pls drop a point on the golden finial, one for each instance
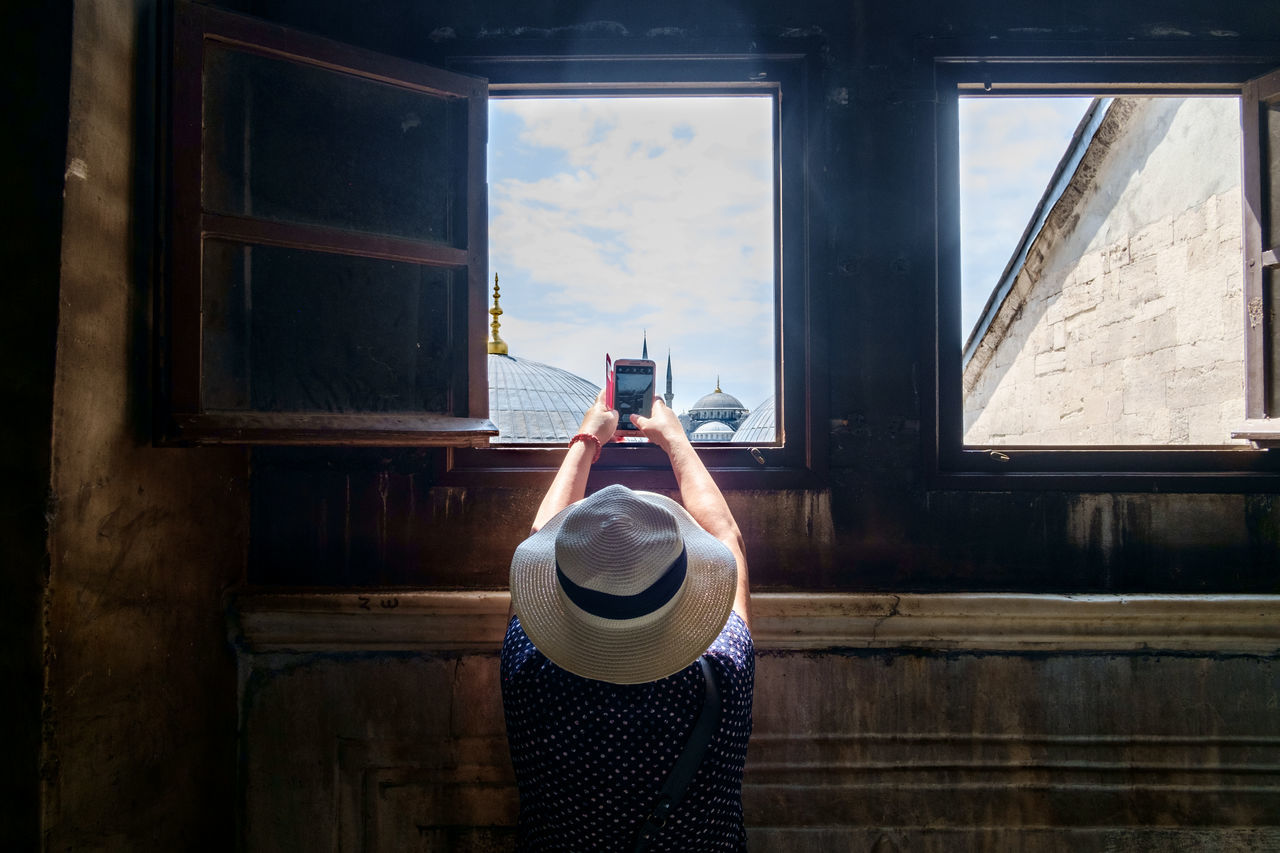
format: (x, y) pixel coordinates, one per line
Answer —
(718, 391)
(497, 346)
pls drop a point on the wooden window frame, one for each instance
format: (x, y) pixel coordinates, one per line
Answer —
(183, 415)
(798, 459)
(1262, 346)
(1131, 69)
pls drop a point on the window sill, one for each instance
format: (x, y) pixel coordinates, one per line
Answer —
(1221, 468)
(1263, 432)
(302, 428)
(639, 466)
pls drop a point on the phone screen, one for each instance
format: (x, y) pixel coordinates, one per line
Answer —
(633, 392)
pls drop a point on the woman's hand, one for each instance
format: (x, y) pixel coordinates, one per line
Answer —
(662, 427)
(600, 420)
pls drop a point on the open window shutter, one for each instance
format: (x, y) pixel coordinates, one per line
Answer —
(327, 243)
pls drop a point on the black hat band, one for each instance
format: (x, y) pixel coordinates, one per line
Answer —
(609, 606)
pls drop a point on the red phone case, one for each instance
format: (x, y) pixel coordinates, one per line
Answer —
(608, 381)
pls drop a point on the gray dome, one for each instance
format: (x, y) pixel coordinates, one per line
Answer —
(531, 402)
(712, 431)
(759, 427)
(718, 401)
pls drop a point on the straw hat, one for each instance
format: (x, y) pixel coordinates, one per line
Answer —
(623, 586)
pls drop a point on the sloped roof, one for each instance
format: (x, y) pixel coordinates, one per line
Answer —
(760, 426)
(1069, 182)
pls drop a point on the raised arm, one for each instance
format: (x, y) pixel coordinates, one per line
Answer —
(570, 483)
(699, 493)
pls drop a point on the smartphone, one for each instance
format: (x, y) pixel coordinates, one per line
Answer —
(632, 389)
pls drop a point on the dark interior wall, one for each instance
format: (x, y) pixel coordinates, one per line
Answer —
(36, 59)
(140, 713)
(140, 720)
(879, 523)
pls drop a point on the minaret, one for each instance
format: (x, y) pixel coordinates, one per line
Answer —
(497, 346)
(645, 352)
(669, 396)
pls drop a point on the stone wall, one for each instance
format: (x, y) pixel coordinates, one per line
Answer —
(1126, 323)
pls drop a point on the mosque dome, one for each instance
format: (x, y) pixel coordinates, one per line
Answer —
(759, 427)
(712, 431)
(718, 406)
(718, 400)
(534, 402)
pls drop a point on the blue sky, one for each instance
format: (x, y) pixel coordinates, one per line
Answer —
(612, 216)
(1009, 148)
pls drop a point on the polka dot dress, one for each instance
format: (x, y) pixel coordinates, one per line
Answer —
(590, 756)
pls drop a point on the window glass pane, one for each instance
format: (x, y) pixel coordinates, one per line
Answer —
(293, 142)
(287, 330)
(620, 221)
(1114, 317)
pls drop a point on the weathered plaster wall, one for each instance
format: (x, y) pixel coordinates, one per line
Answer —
(139, 727)
(1125, 324)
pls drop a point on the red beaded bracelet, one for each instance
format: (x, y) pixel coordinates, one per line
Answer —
(585, 435)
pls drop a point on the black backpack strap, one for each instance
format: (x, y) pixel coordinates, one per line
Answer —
(687, 764)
